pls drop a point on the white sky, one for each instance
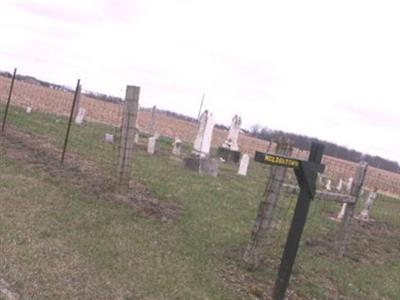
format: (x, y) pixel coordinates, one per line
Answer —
(329, 69)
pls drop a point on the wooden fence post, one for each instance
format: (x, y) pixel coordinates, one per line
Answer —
(128, 131)
(260, 235)
(345, 230)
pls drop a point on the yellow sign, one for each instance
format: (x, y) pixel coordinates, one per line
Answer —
(282, 161)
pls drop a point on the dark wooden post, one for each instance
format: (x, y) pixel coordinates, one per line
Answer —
(306, 177)
(71, 115)
(129, 118)
(345, 230)
(3, 126)
(260, 235)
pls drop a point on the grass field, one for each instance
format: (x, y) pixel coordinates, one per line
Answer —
(60, 242)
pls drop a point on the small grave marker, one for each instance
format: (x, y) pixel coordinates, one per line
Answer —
(80, 116)
(244, 164)
(109, 138)
(151, 146)
(176, 150)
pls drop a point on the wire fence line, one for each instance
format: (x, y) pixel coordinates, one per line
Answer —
(355, 213)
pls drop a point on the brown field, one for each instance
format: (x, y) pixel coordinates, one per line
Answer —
(58, 102)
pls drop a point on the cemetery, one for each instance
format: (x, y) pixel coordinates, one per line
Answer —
(97, 210)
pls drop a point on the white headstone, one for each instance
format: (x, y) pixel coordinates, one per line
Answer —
(320, 179)
(80, 116)
(364, 215)
(202, 143)
(28, 110)
(350, 184)
(342, 211)
(244, 164)
(151, 146)
(152, 125)
(328, 185)
(340, 185)
(232, 141)
(176, 150)
(136, 140)
(109, 138)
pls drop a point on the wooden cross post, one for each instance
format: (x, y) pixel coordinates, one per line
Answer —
(306, 174)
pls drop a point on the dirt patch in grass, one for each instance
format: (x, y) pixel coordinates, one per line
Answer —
(39, 152)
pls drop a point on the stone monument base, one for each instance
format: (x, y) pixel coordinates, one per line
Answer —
(229, 155)
(208, 166)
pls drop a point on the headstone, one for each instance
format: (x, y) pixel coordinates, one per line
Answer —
(349, 184)
(320, 179)
(232, 141)
(176, 150)
(328, 185)
(152, 125)
(136, 138)
(151, 146)
(109, 138)
(340, 185)
(202, 142)
(364, 215)
(28, 110)
(342, 211)
(244, 164)
(80, 116)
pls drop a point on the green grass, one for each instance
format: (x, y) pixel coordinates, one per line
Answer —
(59, 243)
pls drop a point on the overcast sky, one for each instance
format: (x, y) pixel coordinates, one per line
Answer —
(329, 69)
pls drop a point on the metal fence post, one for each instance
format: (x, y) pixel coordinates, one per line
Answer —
(3, 126)
(71, 115)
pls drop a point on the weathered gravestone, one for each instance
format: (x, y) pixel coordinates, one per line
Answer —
(80, 116)
(109, 138)
(328, 185)
(244, 164)
(340, 185)
(151, 146)
(176, 150)
(230, 148)
(136, 138)
(364, 215)
(349, 184)
(152, 124)
(199, 160)
(202, 142)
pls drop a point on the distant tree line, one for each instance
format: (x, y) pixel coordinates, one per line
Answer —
(304, 142)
